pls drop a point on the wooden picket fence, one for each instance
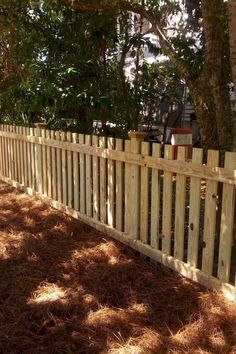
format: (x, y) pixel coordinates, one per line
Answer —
(180, 213)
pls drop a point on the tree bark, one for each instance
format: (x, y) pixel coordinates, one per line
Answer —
(209, 90)
(232, 45)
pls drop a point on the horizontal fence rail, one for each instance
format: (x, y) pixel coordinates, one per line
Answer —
(180, 212)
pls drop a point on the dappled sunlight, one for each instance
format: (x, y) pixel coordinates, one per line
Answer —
(67, 288)
(47, 293)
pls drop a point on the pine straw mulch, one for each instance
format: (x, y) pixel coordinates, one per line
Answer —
(66, 288)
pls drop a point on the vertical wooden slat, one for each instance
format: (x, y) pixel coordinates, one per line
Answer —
(103, 183)
(167, 204)
(14, 155)
(7, 152)
(76, 173)
(69, 173)
(95, 181)
(21, 157)
(110, 186)
(38, 163)
(49, 167)
(88, 171)
(127, 190)
(32, 153)
(29, 169)
(82, 176)
(16, 165)
(180, 208)
(194, 212)
(44, 164)
(25, 152)
(64, 171)
(119, 188)
(210, 216)
(10, 156)
(4, 153)
(227, 222)
(17, 155)
(144, 196)
(155, 200)
(59, 169)
(54, 167)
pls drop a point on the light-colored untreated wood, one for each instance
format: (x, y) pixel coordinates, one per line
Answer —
(82, 176)
(184, 168)
(155, 200)
(227, 223)
(44, 164)
(49, 166)
(180, 209)
(30, 162)
(95, 181)
(88, 170)
(103, 184)
(54, 168)
(167, 204)
(119, 221)
(25, 158)
(182, 268)
(110, 186)
(194, 212)
(76, 173)
(210, 217)
(69, 173)
(127, 191)
(144, 196)
(64, 171)
(39, 164)
(32, 159)
(59, 169)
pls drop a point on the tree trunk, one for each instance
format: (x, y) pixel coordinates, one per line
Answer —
(232, 45)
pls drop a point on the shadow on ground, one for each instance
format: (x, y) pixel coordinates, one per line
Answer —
(65, 288)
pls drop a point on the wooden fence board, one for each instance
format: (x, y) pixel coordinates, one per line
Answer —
(127, 190)
(180, 209)
(54, 167)
(210, 217)
(110, 186)
(194, 212)
(48, 171)
(59, 169)
(76, 173)
(167, 204)
(103, 184)
(39, 163)
(144, 196)
(82, 176)
(88, 171)
(95, 181)
(155, 200)
(119, 189)
(227, 223)
(64, 171)
(44, 163)
(33, 159)
(69, 173)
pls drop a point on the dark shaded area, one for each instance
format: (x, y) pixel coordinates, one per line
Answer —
(66, 288)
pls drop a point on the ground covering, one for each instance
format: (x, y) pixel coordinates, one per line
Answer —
(66, 288)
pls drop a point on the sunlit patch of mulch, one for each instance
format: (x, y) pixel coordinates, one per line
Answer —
(66, 288)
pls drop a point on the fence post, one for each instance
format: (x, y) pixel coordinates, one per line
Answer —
(38, 158)
(134, 202)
